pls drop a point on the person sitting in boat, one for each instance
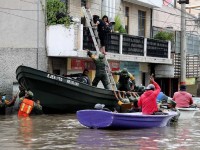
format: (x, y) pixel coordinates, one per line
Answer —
(147, 101)
(29, 106)
(182, 98)
(161, 97)
(125, 78)
(82, 77)
(101, 74)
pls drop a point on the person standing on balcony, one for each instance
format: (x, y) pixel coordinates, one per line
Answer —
(101, 74)
(183, 98)
(125, 78)
(103, 28)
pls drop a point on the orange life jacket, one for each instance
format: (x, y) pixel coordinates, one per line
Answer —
(25, 108)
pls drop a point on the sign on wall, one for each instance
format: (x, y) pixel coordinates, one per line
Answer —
(114, 65)
(164, 71)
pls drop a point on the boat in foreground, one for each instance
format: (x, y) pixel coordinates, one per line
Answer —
(58, 94)
(105, 119)
(187, 113)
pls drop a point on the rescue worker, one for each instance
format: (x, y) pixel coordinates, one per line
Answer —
(5, 103)
(100, 70)
(28, 106)
(124, 80)
(170, 105)
(82, 77)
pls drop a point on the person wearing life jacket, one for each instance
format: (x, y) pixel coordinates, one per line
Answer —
(28, 106)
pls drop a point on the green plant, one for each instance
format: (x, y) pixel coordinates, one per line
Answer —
(57, 13)
(118, 25)
(163, 35)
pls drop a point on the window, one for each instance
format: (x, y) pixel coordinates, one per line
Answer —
(126, 18)
(141, 22)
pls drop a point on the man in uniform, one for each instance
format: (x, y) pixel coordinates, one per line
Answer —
(126, 80)
(101, 74)
(29, 106)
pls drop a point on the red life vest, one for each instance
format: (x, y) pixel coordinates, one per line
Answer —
(25, 108)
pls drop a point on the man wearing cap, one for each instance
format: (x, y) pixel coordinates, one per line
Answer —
(100, 70)
(125, 78)
(147, 101)
(28, 106)
(182, 98)
(82, 77)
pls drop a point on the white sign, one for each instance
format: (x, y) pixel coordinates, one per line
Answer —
(164, 71)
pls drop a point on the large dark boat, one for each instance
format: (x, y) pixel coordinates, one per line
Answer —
(58, 94)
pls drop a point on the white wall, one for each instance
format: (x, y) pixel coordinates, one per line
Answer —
(60, 41)
(18, 24)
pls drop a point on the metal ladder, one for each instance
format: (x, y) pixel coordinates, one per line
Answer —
(95, 38)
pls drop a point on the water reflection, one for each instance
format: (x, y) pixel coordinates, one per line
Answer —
(65, 132)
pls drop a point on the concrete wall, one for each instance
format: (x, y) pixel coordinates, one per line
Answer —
(18, 39)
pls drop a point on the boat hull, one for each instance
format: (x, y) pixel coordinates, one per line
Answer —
(104, 119)
(58, 94)
(187, 113)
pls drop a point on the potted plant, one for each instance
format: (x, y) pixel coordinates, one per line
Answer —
(118, 25)
(57, 13)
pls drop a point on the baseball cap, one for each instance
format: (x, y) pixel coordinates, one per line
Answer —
(150, 87)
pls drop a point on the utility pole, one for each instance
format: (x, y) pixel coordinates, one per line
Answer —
(183, 45)
(38, 31)
(183, 41)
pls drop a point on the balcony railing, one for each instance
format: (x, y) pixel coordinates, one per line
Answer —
(63, 42)
(131, 45)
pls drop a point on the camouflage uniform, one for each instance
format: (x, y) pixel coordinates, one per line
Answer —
(37, 108)
(124, 80)
(101, 74)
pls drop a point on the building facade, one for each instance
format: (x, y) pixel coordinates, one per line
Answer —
(22, 39)
(27, 40)
(172, 23)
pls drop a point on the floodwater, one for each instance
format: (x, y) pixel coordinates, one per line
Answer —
(48, 132)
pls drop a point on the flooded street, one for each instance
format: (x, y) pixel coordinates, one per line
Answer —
(65, 132)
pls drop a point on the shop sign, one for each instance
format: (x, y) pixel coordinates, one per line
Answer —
(114, 65)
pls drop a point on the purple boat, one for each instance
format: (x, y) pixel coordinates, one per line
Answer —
(101, 119)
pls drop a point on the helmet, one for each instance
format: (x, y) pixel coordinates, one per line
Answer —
(124, 70)
(170, 101)
(101, 56)
(29, 93)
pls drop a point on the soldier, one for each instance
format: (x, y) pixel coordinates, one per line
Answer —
(100, 70)
(4, 103)
(29, 106)
(124, 80)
